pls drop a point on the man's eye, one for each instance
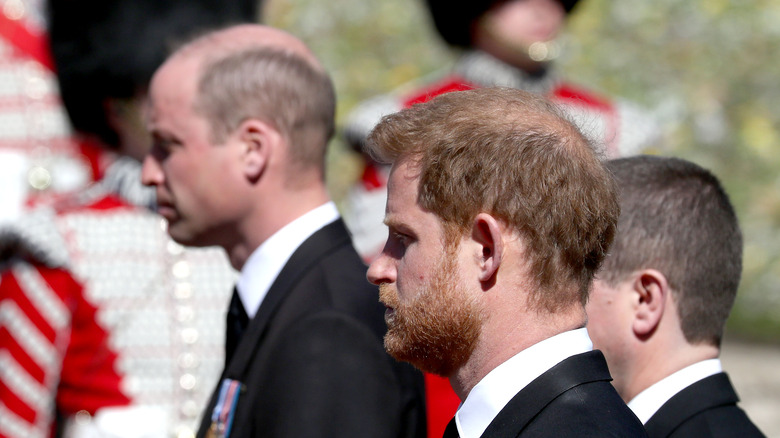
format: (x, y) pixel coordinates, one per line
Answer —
(162, 143)
(402, 239)
(161, 148)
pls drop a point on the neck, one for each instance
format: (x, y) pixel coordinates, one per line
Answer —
(506, 335)
(278, 209)
(658, 364)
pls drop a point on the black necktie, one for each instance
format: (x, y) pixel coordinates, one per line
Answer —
(452, 430)
(237, 321)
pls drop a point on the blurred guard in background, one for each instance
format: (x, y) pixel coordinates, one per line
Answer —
(503, 43)
(107, 327)
(39, 157)
(507, 43)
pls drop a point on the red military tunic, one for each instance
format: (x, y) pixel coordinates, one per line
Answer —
(106, 320)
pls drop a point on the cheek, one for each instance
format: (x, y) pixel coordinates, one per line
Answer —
(609, 325)
(600, 320)
(411, 280)
(411, 272)
(178, 168)
(210, 181)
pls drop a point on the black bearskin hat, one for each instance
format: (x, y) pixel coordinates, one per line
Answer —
(453, 19)
(106, 49)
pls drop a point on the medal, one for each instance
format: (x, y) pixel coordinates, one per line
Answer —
(224, 411)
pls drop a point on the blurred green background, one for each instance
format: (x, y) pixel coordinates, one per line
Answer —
(709, 70)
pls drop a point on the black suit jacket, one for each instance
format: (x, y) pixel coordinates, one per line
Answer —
(707, 408)
(572, 399)
(312, 359)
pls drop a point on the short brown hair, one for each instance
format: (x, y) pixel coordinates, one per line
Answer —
(515, 156)
(676, 218)
(277, 86)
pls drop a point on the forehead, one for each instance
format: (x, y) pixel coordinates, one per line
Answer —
(402, 206)
(175, 79)
(402, 187)
(173, 87)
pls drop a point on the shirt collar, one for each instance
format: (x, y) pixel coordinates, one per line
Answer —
(266, 262)
(649, 401)
(484, 70)
(501, 384)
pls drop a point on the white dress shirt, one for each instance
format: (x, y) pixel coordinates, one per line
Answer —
(501, 384)
(647, 402)
(266, 262)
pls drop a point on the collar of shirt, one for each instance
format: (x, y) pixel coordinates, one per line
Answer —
(501, 384)
(266, 262)
(485, 70)
(649, 401)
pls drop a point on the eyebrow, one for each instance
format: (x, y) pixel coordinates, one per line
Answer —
(390, 221)
(156, 131)
(397, 225)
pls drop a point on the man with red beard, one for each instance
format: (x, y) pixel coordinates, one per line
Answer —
(499, 212)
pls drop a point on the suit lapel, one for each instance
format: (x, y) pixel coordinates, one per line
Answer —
(710, 392)
(451, 431)
(574, 371)
(320, 244)
(326, 240)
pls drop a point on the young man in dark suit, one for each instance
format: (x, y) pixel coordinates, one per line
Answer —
(661, 301)
(240, 119)
(499, 213)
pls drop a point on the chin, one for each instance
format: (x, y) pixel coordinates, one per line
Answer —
(180, 235)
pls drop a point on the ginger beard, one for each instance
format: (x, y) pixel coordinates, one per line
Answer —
(436, 330)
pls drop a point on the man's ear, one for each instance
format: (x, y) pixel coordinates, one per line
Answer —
(488, 234)
(652, 292)
(259, 140)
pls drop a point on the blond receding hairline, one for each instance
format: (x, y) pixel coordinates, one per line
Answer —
(225, 42)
